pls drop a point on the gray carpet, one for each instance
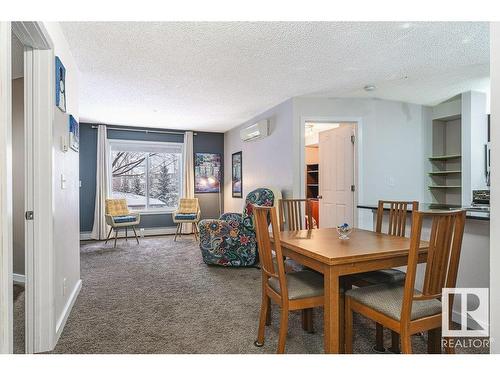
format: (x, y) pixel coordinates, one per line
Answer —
(160, 297)
(18, 292)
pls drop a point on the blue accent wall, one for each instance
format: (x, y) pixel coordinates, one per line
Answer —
(203, 142)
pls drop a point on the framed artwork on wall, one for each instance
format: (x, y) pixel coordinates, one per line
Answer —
(237, 177)
(207, 172)
(60, 85)
(74, 134)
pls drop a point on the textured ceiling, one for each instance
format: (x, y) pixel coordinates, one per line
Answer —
(214, 76)
(17, 57)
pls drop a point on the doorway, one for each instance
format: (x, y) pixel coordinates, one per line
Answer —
(26, 141)
(331, 171)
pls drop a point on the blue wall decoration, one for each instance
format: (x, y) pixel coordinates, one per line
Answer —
(60, 85)
(74, 134)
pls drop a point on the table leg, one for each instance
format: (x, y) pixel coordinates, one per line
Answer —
(333, 327)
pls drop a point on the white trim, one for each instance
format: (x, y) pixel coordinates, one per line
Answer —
(358, 153)
(61, 322)
(39, 263)
(18, 279)
(6, 299)
(31, 34)
(160, 231)
(115, 143)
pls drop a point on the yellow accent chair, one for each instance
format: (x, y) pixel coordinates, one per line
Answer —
(188, 213)
(118, 217)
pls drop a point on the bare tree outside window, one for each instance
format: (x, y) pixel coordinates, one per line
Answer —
(147, 180)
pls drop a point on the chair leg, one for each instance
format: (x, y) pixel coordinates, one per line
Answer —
(449, 349)
(195, 230)
(307, 320)
(283, 330)
(177, 231)
(348, 326)
(116, 235)
(126, 234)
(269, 312)
(434, 341)
(405, 343)
(135, 234)
(379, 338)
(109, 234)
(264, 308)
(394, 343)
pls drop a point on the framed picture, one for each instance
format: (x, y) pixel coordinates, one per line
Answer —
(207, 172)
(60, 85)
(237, 178)
(74, 134)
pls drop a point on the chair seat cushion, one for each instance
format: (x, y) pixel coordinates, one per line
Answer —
(388, 300)
(301, 284)
(381, 276)
(186, 216)
(124, 219)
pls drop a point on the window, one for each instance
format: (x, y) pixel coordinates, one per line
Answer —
(147, 174)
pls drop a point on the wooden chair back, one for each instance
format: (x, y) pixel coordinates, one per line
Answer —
(268, 263)
(291, 214)
(443, 256)
(397, 216)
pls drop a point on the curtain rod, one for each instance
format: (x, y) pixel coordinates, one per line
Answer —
(142, 130)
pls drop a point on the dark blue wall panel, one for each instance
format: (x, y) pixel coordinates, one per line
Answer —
(203, 142)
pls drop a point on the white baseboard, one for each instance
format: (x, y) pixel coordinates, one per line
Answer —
(160, 231)
(61, 322)
(19, 279)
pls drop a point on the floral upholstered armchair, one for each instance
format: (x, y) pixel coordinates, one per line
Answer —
(230, 240)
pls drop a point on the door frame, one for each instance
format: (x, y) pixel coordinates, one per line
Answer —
(6, 297)
(358, 160)
(39, 257)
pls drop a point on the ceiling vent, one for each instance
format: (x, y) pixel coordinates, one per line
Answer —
(255, 131)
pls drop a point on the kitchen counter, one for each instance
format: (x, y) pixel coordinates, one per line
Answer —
(472, 212)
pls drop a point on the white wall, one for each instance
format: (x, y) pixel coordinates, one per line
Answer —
(18, 174)
(390, 140)
(392, 148)
(266, 162)
(65, 201)
(495, 188)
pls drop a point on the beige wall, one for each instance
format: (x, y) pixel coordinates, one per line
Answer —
(18, 174)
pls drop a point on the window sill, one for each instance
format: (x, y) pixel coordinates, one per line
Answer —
(162, 212)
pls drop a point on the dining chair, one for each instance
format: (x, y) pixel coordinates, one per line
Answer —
(402, 308)
(291, 218)
(290, 291)
(398, 211)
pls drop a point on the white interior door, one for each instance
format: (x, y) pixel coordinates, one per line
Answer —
(336, 176)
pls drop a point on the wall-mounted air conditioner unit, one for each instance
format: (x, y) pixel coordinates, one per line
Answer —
(255, 131)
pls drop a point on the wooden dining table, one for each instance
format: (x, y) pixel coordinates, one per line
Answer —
(323, 251)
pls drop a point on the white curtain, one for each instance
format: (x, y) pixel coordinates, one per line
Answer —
(99, 231)
(188, 173)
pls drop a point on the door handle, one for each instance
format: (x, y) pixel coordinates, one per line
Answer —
(319, 197)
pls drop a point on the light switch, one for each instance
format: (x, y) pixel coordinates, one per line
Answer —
(63, 181)
(64, 143)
